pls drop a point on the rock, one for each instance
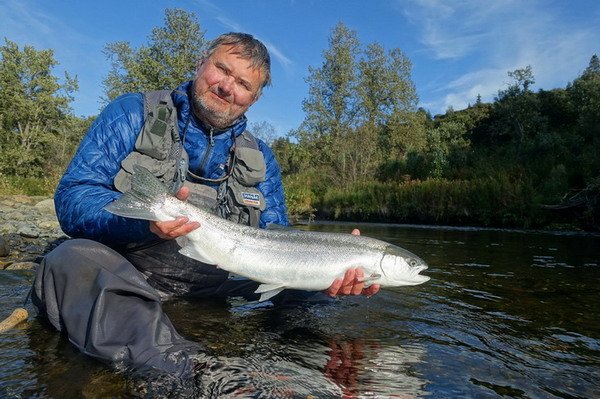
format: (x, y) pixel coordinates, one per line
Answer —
(29, 228)
(4, 247)
(28, 231)
(7, 228)
(34, 249)
(22, 266)
(18, 216)
(46, 206)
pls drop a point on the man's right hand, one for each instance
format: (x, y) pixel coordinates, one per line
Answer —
(175, 228)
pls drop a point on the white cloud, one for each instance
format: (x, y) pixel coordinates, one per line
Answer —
(483, 40)
(234, 26)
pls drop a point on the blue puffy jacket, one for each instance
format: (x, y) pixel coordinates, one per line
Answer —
(87, 185)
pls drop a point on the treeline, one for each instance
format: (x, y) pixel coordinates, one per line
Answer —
(39, 132)
(364, 151)
(37, 128)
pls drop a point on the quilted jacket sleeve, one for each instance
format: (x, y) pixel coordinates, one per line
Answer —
(272, 189)
(87, 185)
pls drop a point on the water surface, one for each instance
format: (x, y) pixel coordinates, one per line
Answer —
(506, 314)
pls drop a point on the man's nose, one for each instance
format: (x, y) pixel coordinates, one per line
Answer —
(226, 85)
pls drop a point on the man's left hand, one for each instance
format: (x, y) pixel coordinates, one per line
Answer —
(352, 283)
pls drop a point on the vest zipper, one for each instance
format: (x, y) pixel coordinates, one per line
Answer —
(211, 142)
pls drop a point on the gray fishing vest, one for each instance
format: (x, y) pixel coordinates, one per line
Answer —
(158, 148)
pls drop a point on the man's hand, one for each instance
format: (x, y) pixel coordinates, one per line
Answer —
(175, 228)
(352, 284)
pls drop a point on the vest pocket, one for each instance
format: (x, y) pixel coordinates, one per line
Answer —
(164, 170)
(250, 167)
(245, 203)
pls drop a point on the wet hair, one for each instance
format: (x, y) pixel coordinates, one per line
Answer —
(247, 47)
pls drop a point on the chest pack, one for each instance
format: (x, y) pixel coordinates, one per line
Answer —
(159, 148)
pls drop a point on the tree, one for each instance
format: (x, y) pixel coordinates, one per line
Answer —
(34, 109)
(593, 67)
(523, 78)
(518, 109)
(360, 104)
(167, 61)
(264, 131)
(331, 107)
(585, 93)
(388, 99)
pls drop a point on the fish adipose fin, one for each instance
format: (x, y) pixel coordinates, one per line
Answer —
(146, 190)
(190, 250)
(268, 291)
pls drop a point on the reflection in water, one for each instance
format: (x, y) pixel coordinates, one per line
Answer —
(506, 314)
(358, 367)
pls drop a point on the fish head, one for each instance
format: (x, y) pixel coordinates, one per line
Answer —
(401, 267)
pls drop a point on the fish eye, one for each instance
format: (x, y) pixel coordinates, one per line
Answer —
(412, 263)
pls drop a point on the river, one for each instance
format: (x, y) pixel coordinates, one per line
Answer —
(505, 314)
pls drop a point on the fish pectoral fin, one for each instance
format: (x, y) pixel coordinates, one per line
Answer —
(268, 291)
(194, 252)
(369, 279)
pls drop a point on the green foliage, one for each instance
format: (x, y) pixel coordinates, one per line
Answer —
(36, 123)
(517, 109)
(498, 201)
(497, 164)
(359, 110)
(585, 94)
(300, 198)
(167, 61)
(32, 186)
(363, 152)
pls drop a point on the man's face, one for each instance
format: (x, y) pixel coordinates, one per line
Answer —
(225, 87)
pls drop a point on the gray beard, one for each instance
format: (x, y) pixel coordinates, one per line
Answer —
(205, 113)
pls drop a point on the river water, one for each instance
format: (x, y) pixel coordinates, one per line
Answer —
(505, 314)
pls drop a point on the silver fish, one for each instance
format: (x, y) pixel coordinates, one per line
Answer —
(277, 258)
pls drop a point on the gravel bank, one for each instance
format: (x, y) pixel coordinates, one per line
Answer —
(28, 230)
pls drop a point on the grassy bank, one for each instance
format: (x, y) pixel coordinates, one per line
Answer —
(487, 202)
(15, 185)
(482, 202)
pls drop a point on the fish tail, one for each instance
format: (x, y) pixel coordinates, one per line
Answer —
(146, 191)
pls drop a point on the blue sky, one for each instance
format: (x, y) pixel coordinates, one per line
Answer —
(458, 48)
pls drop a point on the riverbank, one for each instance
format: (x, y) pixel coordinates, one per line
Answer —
(28, 230)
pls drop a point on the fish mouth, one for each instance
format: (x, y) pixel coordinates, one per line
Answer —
(419, 269)
(417, 278)
(420, 279)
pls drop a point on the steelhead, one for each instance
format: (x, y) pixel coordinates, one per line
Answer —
(278, 258)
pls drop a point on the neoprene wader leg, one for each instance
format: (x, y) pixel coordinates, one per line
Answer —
(107, 309)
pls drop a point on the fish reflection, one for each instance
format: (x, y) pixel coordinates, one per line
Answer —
(362, 366)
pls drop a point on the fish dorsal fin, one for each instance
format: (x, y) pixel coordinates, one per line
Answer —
(194, 251)
(268, 291)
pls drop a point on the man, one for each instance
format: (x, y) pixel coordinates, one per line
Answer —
(104, 290)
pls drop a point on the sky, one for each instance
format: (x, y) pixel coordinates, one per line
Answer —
(459, 49)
